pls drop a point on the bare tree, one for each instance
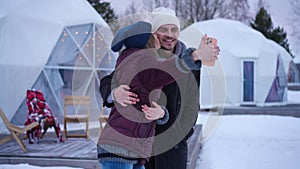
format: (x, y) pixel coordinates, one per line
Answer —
(190, 10)
(211, 8)
(261, 4)
(198, 10)
(295, 7)
(133, 13)
(164, 3)
(149, 5)
(295, 11)
(223, 10)
(176, 4)
(239, 10)
(295, 4)
(131, 9)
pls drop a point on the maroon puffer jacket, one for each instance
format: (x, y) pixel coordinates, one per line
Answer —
(127, 126)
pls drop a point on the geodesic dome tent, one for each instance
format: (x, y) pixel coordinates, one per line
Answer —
(59, 47)
(297, 64)
(254, 68)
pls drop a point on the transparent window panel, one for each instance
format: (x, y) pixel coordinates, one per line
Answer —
(78, 61)
(81, 33)
(73, 82)
(81, 61)
(61, 80)
(81, 80)
(104, 58)
(88, 50)
(106, 62)
(68, 49)
(65, 51)
(42, 84)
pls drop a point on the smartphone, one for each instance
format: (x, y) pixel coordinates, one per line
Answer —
(211, 40)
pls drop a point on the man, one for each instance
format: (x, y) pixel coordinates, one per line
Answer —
(180, 98)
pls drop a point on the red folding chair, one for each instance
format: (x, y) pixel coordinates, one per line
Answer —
(39, 111)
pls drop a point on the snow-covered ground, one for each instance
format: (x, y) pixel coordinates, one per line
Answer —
(293, 97)
(249, 141)
(243, 142)
(27, 166)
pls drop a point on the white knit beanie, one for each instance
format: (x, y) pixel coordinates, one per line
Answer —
(162, 16)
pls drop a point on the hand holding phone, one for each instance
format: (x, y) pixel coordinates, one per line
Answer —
(213, 41)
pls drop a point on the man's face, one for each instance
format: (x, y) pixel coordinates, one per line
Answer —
(168, 35)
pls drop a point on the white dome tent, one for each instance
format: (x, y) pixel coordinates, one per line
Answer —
(255, 68)
(43, 44)
(296, 66)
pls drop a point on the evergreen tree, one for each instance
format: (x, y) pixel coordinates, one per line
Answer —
(104, 9)
(264, 24)
(279, 35)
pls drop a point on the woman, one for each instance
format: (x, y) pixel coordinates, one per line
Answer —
(126, 141)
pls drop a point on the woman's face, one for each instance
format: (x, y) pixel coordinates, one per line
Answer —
(156, 41)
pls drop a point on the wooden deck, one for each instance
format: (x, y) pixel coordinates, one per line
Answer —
(74, 152)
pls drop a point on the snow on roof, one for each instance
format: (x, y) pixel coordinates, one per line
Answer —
(238, 38)
(29, 30)
(238, 43)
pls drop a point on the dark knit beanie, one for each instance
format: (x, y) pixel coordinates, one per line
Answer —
(132, 36)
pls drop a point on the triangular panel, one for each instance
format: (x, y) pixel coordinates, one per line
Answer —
(43, 85)
(66, 53)
(81, 33)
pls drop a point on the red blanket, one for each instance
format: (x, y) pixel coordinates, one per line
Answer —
(38, 110)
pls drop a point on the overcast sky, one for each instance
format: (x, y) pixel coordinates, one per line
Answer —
(278, 9)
